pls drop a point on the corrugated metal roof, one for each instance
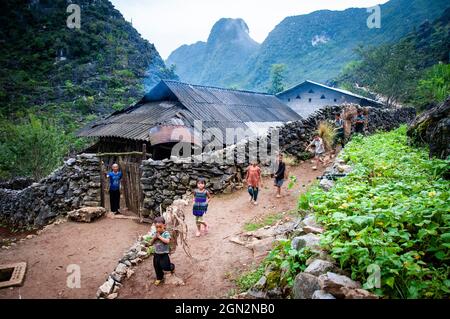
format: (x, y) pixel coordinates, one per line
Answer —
(212, 103)
(170, 102)
(330, 88)
(136, 121)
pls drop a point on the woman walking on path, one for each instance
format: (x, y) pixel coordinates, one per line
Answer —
(280, 175)
(114, 188)
(253, 179)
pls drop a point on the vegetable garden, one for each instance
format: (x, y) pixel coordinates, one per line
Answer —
(389, 218)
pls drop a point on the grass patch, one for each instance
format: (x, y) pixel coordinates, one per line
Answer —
(268, 220)
(248, 279)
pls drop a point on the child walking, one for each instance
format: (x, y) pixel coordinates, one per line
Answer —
(280, 175)
(201, 199)
(253, 179)
(161, 259)
(319, 150)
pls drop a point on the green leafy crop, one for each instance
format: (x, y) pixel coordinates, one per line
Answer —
(392, 211)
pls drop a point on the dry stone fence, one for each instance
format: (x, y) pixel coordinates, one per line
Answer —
(78, 183)
(167, 180)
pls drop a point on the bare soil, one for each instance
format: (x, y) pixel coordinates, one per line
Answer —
(217, 261)
(98, 246)
(95, 247)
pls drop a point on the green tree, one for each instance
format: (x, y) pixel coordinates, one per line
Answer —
(32, 148)
(434, 85)
(388, 70)
(277, 78)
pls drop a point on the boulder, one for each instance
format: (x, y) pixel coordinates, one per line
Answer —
(320, 294)
(255, 294)
(357, 294)
(106, 289)
(308, 240)
(310, 220)
(261, 247)
(305, 285)
(121, 268)
(319, 267)
(275, 293)
(313, 230)
(326, 184)
(332, 283)
(86, 214)
(433, 128)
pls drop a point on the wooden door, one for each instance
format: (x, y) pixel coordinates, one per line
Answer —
(131, 175)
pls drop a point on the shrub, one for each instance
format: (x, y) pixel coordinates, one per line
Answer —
(326, 132)
(393, 212)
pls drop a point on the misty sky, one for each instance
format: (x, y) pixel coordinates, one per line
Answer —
(171, 23)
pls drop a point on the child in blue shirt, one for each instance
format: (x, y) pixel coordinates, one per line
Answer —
(114, 188)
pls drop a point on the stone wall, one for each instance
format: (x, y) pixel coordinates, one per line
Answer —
(432, 128)
(295, 136)
(77, 183)
(167, 180)
(74, 185)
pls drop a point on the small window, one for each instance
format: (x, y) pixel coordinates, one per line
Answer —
(289, 100)
(310, 100)
(298, 97)
(335, 100)
(311, 91)
(322, 97)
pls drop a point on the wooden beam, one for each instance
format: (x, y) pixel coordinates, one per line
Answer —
(122, 154)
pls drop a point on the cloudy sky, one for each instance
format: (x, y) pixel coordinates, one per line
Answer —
(171, 23)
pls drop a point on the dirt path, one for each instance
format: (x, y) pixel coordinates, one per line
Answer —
(95, 247)
(217, 260)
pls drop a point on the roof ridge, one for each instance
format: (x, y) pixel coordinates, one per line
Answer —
(330, 88)
(219, 88)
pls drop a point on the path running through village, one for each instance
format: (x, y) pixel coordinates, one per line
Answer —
(97, 247)
(217, 261)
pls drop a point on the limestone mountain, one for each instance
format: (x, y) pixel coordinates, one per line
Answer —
(67, 73)
(316, 46)
(313, 46)
(219, 60)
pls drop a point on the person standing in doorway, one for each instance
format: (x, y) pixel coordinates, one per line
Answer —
(114, 188)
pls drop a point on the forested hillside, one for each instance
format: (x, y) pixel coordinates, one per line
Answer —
(313, 46)
(414, 70)
(54, 78)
